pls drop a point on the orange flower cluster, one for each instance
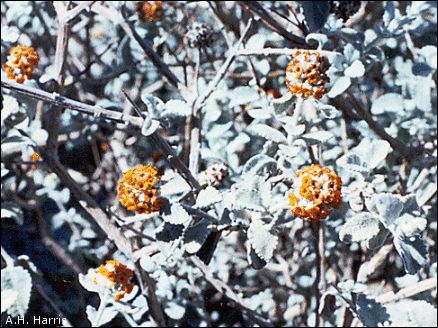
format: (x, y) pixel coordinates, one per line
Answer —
(315, 191)
(137, 192)
(22, 60)
(150, 11)
(306, 74)
(35, 157)
(119, 276)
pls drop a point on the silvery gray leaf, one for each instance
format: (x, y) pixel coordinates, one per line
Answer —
(341, 84)
(413, 252)
(207, 197)
(360, 227)
(268, 133)
(196, 235)
(149, 126)
(371, 313)
(262, 240)
(169, 232)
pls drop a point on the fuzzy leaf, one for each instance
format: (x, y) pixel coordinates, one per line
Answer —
(371, 312)
(243, 95)
(196, 235)
(356, 69)
(257, 163)
(208, 197)
(175, 108)
(389, 102)
(317, 137)
(262, 240)
(176, 185)
(11, 211)
(248, 199)
(175, 311)
(178, 215)
(149, 126)
(341, 84)
(254, 260)
(315, 13)
(409, 226)
(169, 232)
(16, 286)
(411, 313)
(413, 252)
(389, 207)
(353, 162)
(361, 227)
(269, 133)
(109, 313)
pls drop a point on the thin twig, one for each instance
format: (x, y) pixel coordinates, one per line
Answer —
(223, 288)
(397, 145)
(273, 24)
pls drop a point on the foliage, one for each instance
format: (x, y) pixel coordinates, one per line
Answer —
(221, 104)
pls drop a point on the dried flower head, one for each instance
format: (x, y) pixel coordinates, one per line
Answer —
(315, 191)
(115, 276)
(199, 35)
(21, 62)
(35, 157)
(345, 9)
(137, 189)
(149, 11)
(214, 175)
(306, 74)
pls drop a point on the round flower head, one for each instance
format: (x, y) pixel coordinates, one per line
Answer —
(306, 74)
(149, 11)
(21, 62)
(315, 191)
(214, 175)
(115, 276)
(200, 35)
(137, 192)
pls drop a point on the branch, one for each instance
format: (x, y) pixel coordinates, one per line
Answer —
(226, 290)
(97, 111)
(118, 18)
(89, 205)
(400, 147)
(410, 291)
(281, 51)
(273, 24)
(223, 70)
